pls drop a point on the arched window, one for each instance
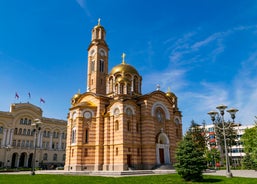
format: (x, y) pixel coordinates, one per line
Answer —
(45, 156)
(63, 157)
(86, 136)
(20, 131)
(25, 121)
(21, 121)
(55, 157)
(29, 122)
(28, 132)
(101, 65)
(159, 115)
(128, 126)
(73, 135)
(116, 125)
(92, 66)
(24, 131)
(15, 131)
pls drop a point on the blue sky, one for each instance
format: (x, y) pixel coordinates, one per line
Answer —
(205, 51)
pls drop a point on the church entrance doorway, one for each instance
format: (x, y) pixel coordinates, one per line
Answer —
(161, 153)
(162, 149)
(129, 160)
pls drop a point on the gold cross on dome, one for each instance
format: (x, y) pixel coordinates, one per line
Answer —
(99, 20)
(123, 57)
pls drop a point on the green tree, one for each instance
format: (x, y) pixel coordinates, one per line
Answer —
(249, 140)
(230, 132)
(212, 156)
(190, 159)
(198, 135)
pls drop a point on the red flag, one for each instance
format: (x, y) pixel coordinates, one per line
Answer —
(17, 96)
(29, 95)
(42, 100)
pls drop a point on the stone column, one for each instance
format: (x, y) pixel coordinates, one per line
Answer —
(11, 137)
(51, 141)
(4, 137)
(8, 137)
(60, 142)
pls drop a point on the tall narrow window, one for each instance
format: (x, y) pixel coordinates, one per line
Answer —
(73, 135)
(116, 125)
(117, 151)
(55, 157)
(92, 66)
(101, 65)
(128, 125)
(86, 136)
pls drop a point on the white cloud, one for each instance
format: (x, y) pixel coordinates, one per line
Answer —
(83, 5)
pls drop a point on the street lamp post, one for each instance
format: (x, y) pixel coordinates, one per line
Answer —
(213, 114)
(36, 125)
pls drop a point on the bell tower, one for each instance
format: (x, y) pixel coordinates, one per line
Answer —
(97, 61)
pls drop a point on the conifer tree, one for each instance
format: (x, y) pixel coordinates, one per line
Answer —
(190, 159)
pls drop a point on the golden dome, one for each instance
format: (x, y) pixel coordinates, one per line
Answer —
(123, 67)
(76, 96)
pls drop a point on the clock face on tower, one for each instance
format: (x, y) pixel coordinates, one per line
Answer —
(102, 52)
(87, 115)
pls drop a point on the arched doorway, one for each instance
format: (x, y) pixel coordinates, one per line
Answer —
(22, 159)
(162, 149)
(14, 160)
(30, 160)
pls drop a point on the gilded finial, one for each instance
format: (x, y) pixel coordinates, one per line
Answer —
(168, 90)
(78, 91)
(99, 20)
(123, 57)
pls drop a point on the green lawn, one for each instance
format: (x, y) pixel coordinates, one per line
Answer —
(151, 179)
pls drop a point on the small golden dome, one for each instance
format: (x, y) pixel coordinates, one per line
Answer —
(123, 67)
(76, 96)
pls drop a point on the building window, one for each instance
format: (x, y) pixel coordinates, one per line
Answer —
(117, 151)
(45, 156)
(63, 157)
(2, 130)
(159, 115)
(24, 131)
(92, 66)
(101, 65)
(73, 135)
(29, 122)
(21, 121)
(55, 157)
(86, 136)
(128, 126)
(116, 125)
(20, 131)
(25, 121)
(15, 131)
(14, 143)
(28, 132)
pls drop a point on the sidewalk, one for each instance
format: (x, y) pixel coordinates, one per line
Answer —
(235, 173)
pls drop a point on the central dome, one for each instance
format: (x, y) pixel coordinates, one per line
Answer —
(123, 67)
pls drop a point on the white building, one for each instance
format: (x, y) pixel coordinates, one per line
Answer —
(17, 138)
(236, 152)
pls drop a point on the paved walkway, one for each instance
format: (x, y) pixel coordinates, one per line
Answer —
(236, 173)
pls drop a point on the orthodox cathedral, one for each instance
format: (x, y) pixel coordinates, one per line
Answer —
(113, 126)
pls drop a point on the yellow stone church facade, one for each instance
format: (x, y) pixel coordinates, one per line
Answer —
(113, 126)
